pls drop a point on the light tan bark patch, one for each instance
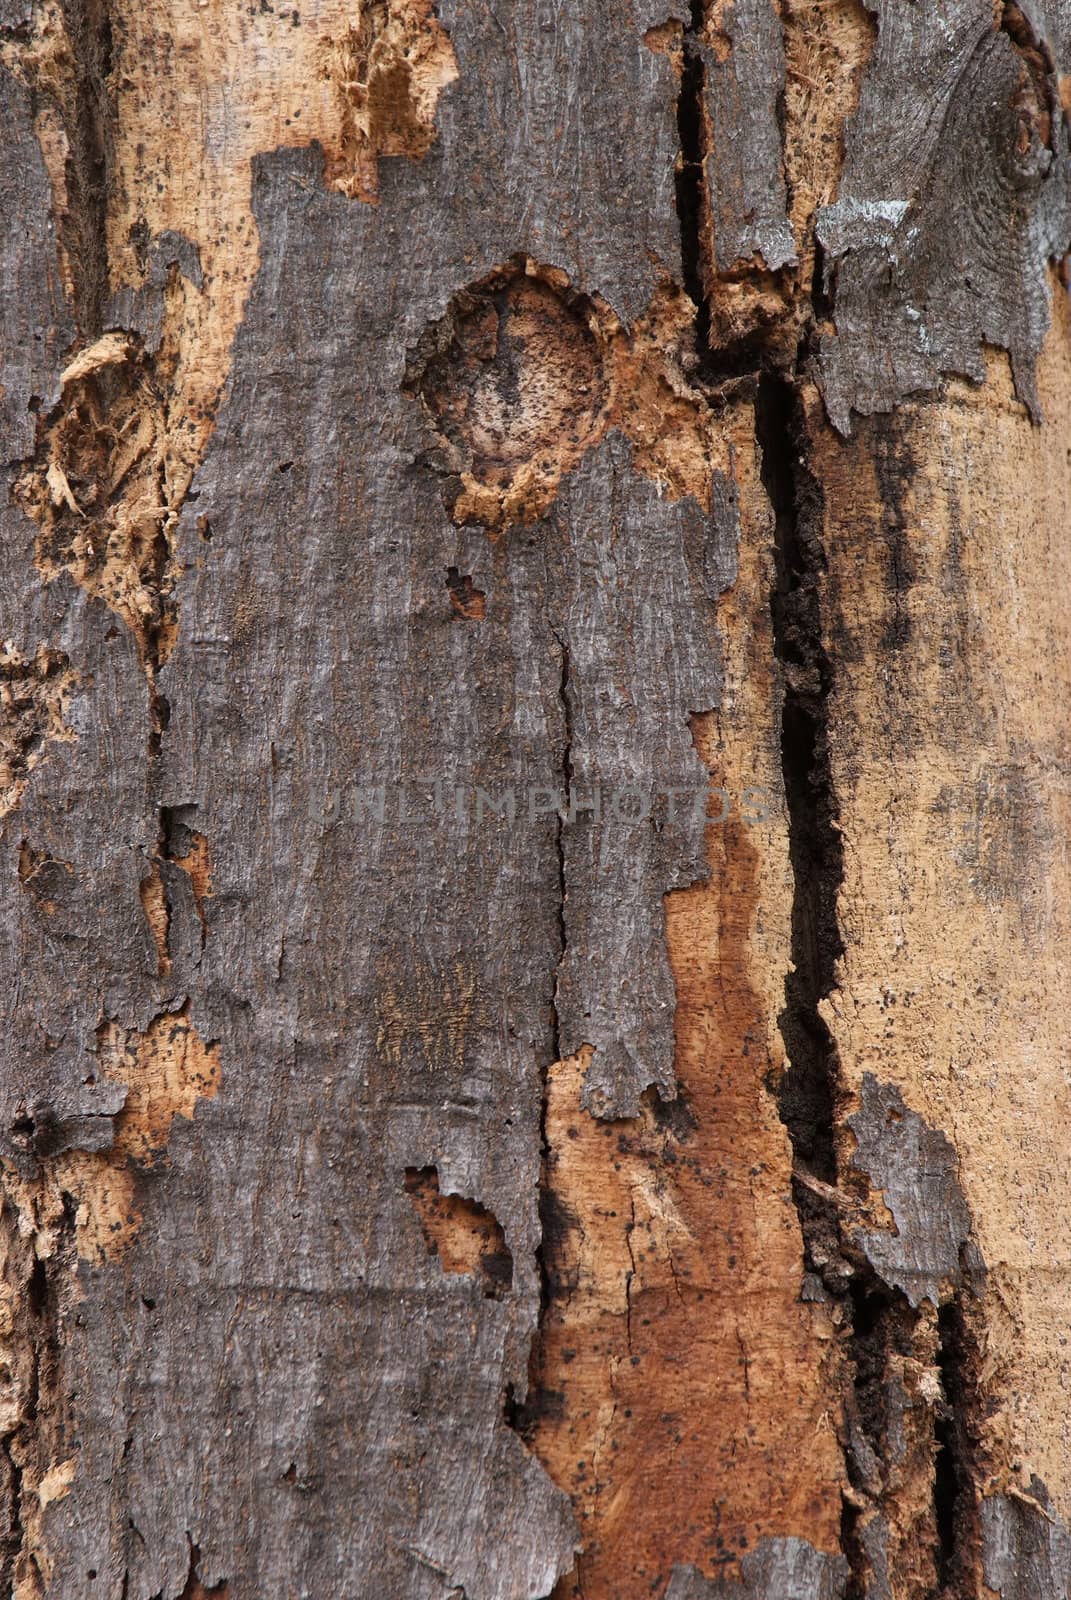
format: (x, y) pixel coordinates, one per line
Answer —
(828, 45)
(388, 73)
(166, 1070)
(946, 611)
(154, 905)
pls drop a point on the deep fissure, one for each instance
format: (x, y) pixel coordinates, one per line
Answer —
(89, 30)
(959, 1458)
(808, 1090)
(880, 1323)
(691, 171)
(564, 692)
(520, 1415)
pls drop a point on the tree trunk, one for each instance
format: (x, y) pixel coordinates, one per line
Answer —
(535, 789)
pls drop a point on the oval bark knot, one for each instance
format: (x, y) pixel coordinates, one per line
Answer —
(513, 382)
(524, 374)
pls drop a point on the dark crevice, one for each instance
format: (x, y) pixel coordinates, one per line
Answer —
(750, 352)
(89, 31)
(945, 1468)
(692, 202)
(807, 1092)
(32, 1444)
(159, 580)
(173, 841)
(958, 1464)
(821, 297)
(565, 702)
(176, 832)
(520, 1415)
(881, 1330)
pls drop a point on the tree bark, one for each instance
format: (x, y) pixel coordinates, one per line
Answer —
(534, 799)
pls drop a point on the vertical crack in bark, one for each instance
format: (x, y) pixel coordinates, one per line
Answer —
(946, 1467)
(178, 844)
(692, 199)
(30, 1356)
(807, 1094)
(877, 1321)
(565, 702)
(912, 1448)
(959, 1467)
(808, 1090)
(520, 1414)
(88, 27)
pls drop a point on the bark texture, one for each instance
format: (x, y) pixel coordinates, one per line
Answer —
(438, 1158)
